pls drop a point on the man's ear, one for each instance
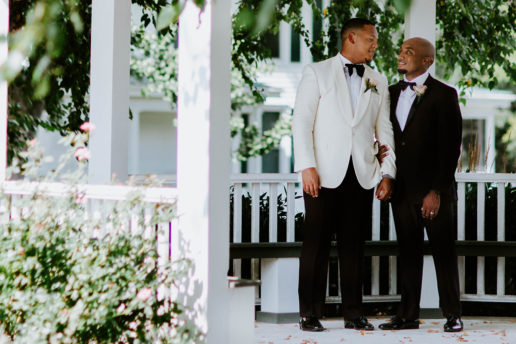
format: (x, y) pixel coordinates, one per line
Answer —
(351, 37)
(428, 61)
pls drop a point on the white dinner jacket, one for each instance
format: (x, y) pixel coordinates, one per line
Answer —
(327, 133)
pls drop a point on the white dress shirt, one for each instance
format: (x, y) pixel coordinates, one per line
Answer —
(407, 98)
(354, 82)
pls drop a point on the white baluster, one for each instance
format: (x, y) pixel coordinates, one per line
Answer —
(500, 271)
(273, 212)
(480, 237)
(291, 212)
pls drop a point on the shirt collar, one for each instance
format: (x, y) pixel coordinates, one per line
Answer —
(420, 80)
(345, 60)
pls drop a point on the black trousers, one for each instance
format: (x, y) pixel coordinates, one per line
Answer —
(441, 233)
(346, 211)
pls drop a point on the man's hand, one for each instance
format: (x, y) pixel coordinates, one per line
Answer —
(431, 204)
(384, 190)
(311, 184)
(382, 152)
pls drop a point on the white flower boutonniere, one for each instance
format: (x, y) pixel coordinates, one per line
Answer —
(371, 84)
(420, 91)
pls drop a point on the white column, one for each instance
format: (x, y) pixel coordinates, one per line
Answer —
(109, 92)
(4, 30)
(204, 161)
(241, 315)
(420, 22)
(279, 286)
(284, 40)
(429, 293)
(307, 15)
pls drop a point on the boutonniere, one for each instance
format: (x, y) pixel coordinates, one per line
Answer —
(371, 84)
(420, 91)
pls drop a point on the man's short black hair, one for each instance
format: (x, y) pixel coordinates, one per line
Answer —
(354, 23)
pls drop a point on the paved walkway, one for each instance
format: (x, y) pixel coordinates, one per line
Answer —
(486, 330)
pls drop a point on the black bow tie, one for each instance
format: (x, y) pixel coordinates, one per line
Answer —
(359, 68)
(403, 85)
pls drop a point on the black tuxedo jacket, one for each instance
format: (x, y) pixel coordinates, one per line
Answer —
(427, 150)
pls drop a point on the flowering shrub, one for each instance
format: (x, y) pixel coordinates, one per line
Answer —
(69, 274)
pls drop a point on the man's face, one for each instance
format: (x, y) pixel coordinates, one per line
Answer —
(410, 59)
(366, 42)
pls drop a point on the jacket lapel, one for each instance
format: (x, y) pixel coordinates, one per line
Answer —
(396, 90)
(363, 98)
(416, 103)
(341, 85)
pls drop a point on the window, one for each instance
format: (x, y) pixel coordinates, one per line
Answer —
(295, 46)
(317, 22)
(270, 161)
(272, 43)
(473, 145)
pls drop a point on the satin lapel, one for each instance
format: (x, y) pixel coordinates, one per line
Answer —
(341, 85)
(411, 113)
(363, 99)
(416, 103)
(394, 103)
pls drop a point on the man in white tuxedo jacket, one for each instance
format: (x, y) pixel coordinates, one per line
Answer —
(341, 110)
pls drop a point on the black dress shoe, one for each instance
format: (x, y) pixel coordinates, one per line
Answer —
(453, 324)
(398, 323)
(359, 324)
(311, 324)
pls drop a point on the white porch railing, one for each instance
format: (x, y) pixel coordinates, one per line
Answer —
(288, 184)
(98, 199)
(482, 180)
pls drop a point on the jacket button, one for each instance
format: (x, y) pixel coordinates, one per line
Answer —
(403, 143)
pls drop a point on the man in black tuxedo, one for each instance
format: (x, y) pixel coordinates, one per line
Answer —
(427, 126)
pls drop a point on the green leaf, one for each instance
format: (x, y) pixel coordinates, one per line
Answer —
(264, 16)
(42, 88)
(167, 16)
(77, 23)
(402, 5)
(41, 67)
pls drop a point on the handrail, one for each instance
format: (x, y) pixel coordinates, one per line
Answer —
(90, 191)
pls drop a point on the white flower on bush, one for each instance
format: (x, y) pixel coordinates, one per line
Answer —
(144, 294)
(87, 126)
(121, 308)
(82, 153)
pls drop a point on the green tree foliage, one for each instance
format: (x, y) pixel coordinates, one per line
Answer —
(388, 23)
(48, 67)
(477, 36)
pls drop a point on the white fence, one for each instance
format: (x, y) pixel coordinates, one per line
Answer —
(287, 185)
(99, 200)
(274, 184)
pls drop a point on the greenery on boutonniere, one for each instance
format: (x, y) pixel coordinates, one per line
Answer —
(371, 85)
